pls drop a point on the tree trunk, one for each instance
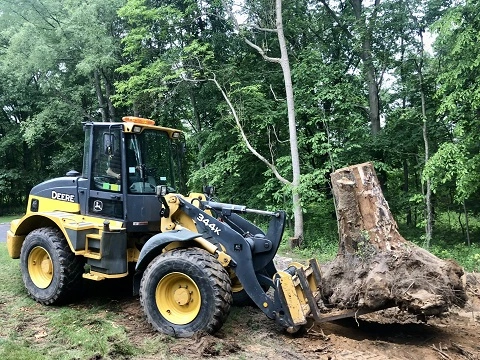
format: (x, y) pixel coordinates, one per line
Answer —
(406, 189)
(369, 70)
(100, 98)
(292, 129)
(297, 238)
(427, 189)
(108, 96)
(466, 223)
(197, 126)
(376, 267)
(365, 218)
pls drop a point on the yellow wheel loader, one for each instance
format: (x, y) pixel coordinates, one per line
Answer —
(193, 257)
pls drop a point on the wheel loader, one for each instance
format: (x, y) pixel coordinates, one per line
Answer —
(191, 257)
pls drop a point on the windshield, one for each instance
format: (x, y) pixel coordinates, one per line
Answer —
(150, 162)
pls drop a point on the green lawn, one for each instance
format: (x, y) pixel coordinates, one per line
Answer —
(7, 219)
(92, 329)
(108, 323)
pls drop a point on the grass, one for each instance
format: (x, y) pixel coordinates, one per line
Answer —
(33, 331)
(105, 325)
(8, 218)
(466, 256)
(448, 241)
(323, 253)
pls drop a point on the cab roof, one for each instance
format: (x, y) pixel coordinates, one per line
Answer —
(132, 124)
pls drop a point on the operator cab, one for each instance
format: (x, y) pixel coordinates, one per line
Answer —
(123, 165)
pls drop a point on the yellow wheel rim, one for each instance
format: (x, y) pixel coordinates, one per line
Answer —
(236, 284)
(178, 298)
(40, 267)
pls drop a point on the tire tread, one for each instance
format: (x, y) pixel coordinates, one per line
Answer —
(71, 267)
(201, 258)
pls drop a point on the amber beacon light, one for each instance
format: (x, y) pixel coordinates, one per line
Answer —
(138, 120)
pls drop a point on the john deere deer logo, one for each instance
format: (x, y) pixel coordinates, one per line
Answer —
(97, 205)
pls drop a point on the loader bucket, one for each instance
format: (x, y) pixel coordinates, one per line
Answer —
(299, 291)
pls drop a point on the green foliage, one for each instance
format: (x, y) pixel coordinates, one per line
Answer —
(457, 34)
(64, 62)
(452, 164)
(457, 162)
(51, 52)
(320, 231)
(467, 256)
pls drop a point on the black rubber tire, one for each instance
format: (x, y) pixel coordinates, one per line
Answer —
(209, 277)
(240, 296)
(67, 268)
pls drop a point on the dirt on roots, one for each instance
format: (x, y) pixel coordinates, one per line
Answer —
(408, 277)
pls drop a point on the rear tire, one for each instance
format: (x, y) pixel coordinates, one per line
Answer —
(185, 291)
(240, 296)
(50, 270)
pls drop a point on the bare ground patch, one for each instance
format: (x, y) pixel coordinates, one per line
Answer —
(249, 334)
(388, 334)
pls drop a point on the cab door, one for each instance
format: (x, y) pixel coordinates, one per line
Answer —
(142, 205)
(107, 178)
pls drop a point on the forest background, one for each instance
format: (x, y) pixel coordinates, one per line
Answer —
(391, 82)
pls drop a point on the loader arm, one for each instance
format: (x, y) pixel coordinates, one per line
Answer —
(237, 247)
(264, 246)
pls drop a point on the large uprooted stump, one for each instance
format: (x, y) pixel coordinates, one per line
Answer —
(376, 267)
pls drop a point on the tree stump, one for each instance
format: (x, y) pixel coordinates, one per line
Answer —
(376, 267)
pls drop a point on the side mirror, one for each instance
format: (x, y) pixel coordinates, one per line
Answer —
(209, 190)
(161, 190)
(72, 173)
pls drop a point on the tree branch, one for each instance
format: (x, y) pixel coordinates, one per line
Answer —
(336, 18)
(262, 52)
(275, 96)
(249, 43)
(256, 27)
(276, 136)
(245, 139)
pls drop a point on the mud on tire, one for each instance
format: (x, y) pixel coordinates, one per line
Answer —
(185, 291)
(50, 270)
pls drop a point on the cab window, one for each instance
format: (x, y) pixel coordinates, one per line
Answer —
(107, 160)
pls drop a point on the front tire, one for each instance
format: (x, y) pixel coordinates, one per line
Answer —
(50, 270)
(185, 291)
